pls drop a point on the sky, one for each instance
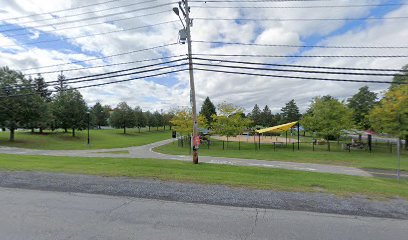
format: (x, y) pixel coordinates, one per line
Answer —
(35, 34)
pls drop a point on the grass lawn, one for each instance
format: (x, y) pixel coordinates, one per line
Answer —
(111, 138)
(356, 158)
(249, 177)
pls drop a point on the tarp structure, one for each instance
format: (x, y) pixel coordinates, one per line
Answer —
(279, 128)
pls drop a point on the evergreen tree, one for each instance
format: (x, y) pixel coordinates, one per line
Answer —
(266, 117)
(208, 110)
(62, 85)
(22, 111)
(158, 120)
(41, 88)
(290, 113)
(255, 116)
(361, 104)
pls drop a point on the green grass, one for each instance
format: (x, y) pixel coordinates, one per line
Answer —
(249, 177)
(355, 158)
(100, 139)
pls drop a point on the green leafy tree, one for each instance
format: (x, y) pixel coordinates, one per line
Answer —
(183, 121)
(290, 113)
(208, 110)
(70, 110)
(20, 106)
(230, 120)
(327, 117)
(400, 78)
(158, 120)
(167, 117)
(151, 120)
(256, 115)
(123, 117)
(140, 118)
(100, 115)
(391, 114)
(361, 104)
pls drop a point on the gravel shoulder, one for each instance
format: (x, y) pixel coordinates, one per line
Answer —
(207, 194)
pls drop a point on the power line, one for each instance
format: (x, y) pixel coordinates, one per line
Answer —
(57, 11)
(89, 35)
(106, 65)
(80, 14)
(298, 77)
(92, 24)
(99, 75)
(298, 19)
(98, 58)
(85, 19)
(302, 7)
(293, 70)
(107, 83)
(257, 1)
(301, 46)
(308, 66)
(301, 56)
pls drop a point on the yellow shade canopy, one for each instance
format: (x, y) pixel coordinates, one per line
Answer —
(280, 128)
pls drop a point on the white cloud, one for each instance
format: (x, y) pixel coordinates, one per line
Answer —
(242, 90)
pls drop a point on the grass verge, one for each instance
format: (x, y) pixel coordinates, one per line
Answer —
(248, 177)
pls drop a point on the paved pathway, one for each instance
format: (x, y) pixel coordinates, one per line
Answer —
(29, 214)
(147, 152)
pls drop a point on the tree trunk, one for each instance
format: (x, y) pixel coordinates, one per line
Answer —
(32, 130)
(157, 128)
(149, 128)
(73, 132)
(66, 130)
(11, 134)
(170, 127)
(164, 127)
(359, 137)
(41, 130)
(3, 129)
(124, 130)
(139, 129)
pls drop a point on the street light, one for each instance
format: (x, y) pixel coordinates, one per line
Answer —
(88, 114)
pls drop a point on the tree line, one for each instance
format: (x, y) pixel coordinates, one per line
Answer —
(28, 103)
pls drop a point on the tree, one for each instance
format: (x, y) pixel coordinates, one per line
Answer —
(62, 85)
(266, 117)
(327, 117)
(230, 120)
(123, 117)
(41, 88)
(100, 114)
(158, 120)
(140, 118)
(70, 110)
(20, 106)
(362, 103)
(400, 78)
(167, 117)
(208, 110)
(255, 115)
(151, 120)
(391, 114)
(290, 113)
(183, 121)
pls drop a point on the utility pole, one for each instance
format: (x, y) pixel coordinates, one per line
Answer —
(186, 13)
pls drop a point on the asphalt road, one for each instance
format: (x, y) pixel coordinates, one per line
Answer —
(147, 152)
(32, 214)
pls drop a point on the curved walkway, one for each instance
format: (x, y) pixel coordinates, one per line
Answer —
(147, 152)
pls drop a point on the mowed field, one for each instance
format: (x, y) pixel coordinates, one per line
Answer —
(377, 159)
(100, 139)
